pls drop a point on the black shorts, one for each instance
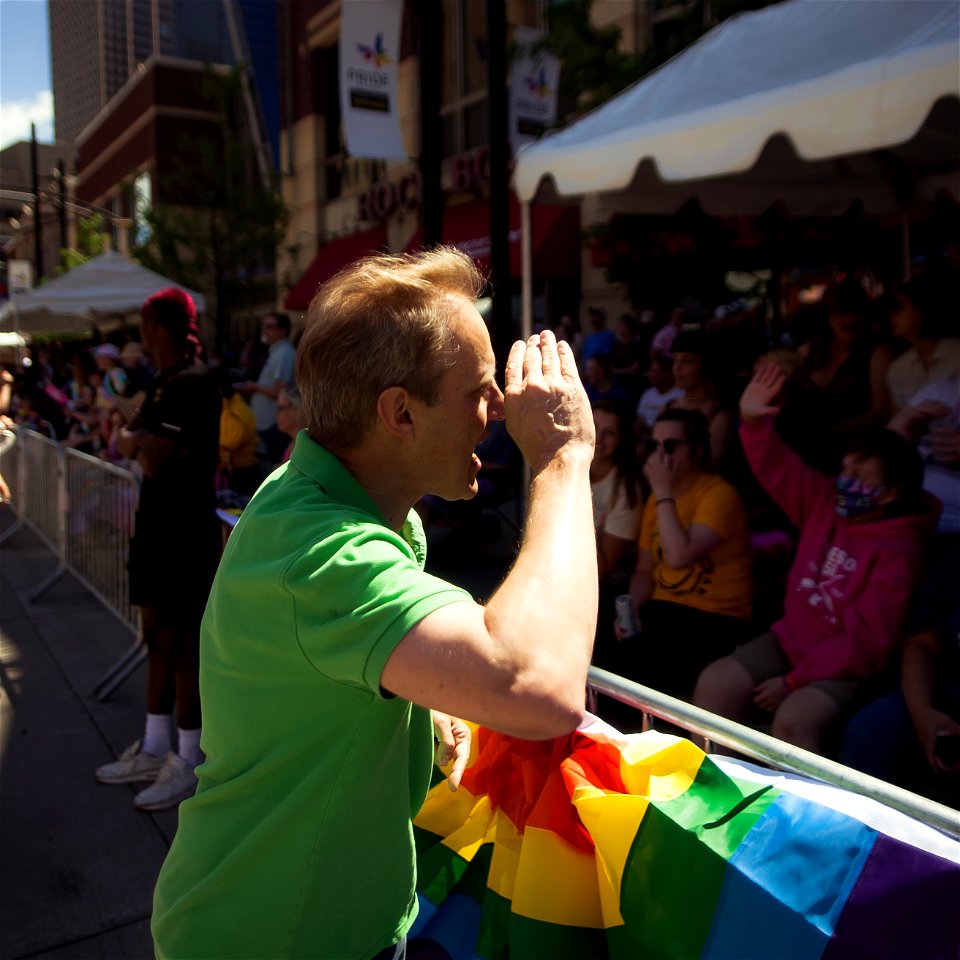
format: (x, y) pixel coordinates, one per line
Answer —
(173, 572)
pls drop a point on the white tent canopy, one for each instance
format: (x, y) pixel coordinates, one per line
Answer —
(834, 77)
(812, 102)
(108, 286)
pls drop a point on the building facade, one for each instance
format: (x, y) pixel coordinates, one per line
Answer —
(342, 206)
(96, 46)
(17, 211)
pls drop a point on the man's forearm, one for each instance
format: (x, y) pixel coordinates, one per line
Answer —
(548, 603)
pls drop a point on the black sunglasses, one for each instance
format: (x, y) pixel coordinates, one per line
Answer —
(669, 445)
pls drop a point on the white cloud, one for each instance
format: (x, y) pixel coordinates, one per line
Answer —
(17, 115)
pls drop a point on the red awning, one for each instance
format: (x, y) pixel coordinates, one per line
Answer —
(555, 240)
(330, 258)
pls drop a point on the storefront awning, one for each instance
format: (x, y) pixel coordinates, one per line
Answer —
(556, 236)
(331, 258)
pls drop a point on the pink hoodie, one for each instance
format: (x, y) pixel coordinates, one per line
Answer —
(850, 584)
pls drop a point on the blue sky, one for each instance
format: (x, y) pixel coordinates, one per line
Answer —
(25, 82)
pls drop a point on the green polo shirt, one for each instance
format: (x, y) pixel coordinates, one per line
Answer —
(298, 842)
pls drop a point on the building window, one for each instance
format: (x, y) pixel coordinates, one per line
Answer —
(463, 107)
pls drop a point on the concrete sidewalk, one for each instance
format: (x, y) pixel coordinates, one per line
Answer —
(78, 862)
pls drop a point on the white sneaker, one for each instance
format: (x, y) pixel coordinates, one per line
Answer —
(133, 765)
(175, 782)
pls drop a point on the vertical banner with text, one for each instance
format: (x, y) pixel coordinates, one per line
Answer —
(534, 79)
(369, 58)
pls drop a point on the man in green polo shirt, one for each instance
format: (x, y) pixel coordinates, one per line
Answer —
(325, 645)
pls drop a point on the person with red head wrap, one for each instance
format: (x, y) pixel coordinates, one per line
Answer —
(174, 437)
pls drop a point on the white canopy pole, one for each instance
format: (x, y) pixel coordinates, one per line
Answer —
(526, 269)
(905, 240)
(526, 297)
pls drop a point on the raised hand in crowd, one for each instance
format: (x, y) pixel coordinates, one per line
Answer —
(759, 398)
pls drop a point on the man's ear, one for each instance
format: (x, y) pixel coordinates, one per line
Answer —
(393, 409)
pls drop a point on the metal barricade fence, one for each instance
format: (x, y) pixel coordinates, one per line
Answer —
(42, 497)
(83, 509)
(102, 501)
(11, 468)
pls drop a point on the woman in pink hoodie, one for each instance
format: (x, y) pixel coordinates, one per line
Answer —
(857, 563)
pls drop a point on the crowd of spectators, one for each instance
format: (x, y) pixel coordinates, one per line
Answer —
(775, 502)
(82, 395)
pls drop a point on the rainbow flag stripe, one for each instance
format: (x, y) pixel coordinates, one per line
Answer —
(640, 846)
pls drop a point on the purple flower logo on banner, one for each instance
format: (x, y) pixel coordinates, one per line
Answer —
(537, 84)
(375, 55)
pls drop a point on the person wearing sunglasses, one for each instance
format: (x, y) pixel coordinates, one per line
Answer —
(691, 585)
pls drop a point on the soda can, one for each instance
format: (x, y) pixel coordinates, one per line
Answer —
(627, 619)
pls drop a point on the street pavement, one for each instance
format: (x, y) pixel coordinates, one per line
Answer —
(78, 862)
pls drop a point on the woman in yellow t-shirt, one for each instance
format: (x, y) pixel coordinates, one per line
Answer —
(692, 585)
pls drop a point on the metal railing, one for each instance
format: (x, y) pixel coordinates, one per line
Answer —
(41, 489)
(83, 509)
(12, 472)
(718, 731)
(101, 504)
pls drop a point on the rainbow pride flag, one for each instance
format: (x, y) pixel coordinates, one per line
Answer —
(601, 844)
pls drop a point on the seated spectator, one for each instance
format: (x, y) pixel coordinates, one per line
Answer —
(661, 391)
(599, 342)
(628, 357)
(599, 382)
(111, 452)
(844, 380)
(86, 438)
(135, 368)
(239, 467)
(617, 502)
(290, 419)
(80, 409)
(695, 374)
(662, 341)
(113, 383)
(924, 315)
(691, 586)
(849, 588)
(932, 421)
(904, 737)
(568, 328)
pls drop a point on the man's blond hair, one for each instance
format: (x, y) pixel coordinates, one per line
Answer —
(381, 322)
